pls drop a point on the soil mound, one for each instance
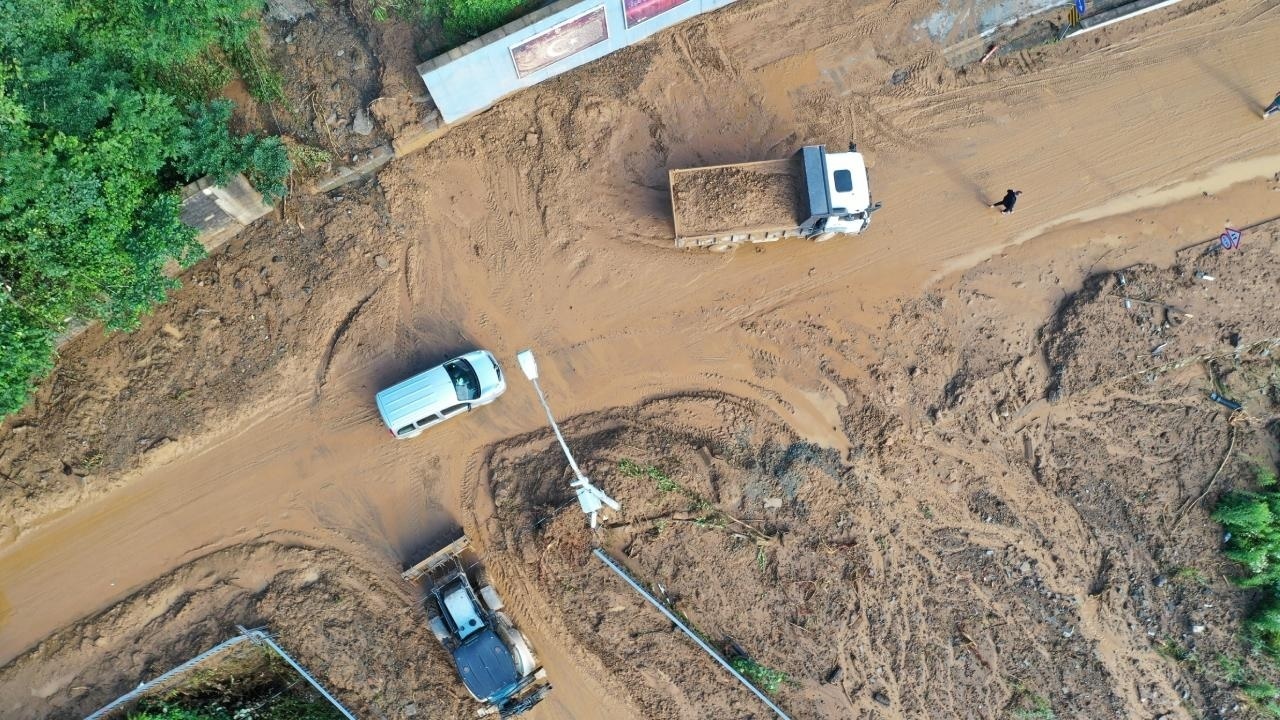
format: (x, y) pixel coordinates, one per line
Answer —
(731, 198)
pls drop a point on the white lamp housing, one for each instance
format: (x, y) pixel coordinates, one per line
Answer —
(527, 364)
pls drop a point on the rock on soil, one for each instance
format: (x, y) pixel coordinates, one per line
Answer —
(289, 10)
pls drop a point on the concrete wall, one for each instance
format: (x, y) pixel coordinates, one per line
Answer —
(220, 211)
(544, 44)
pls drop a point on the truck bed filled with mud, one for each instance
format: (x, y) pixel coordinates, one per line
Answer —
(743, 198)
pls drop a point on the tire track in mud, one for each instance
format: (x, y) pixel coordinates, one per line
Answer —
(335, 337)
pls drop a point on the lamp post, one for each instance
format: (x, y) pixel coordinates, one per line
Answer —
(591, 498)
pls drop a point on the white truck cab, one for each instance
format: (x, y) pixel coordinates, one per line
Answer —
(849, 193)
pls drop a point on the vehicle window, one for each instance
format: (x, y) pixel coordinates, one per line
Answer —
(428, 420)
(844, 181)
(405, 429)
(453, 409)
(465, 382)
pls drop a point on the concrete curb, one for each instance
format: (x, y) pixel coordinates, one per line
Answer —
(1115, 15)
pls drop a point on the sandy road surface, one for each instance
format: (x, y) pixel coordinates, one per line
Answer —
(557, 243)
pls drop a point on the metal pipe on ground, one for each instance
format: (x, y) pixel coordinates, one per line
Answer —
(604, 557)
(258, 635)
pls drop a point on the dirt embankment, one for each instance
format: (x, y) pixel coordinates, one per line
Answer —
(119, 402)
(350, 621)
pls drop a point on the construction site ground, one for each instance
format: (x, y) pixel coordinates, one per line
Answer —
(977, 483)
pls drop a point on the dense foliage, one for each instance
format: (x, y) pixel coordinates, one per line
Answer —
(100, 123)
(461, 20)
(464, 20)
(1253, 521)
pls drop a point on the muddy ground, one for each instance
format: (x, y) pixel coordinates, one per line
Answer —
(1001, 549)
(977, 482)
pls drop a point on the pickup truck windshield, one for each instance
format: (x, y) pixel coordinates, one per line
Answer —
(465, 382)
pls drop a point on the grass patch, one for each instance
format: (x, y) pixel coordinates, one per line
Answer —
(308, 158)
(763, 677)
(250, 684)
(1188, 574)
(1027, 704)
(664, 482)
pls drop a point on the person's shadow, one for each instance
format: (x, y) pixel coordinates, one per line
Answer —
(1228, 82)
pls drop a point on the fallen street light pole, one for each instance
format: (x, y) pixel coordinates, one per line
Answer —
(591, 498)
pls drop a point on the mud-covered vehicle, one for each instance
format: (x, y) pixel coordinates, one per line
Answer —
(493, 658)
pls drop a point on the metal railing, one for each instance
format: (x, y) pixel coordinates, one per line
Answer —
(256, 636)
(604, 557)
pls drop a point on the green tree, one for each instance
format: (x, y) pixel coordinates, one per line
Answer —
(467, 19)
(95, 136)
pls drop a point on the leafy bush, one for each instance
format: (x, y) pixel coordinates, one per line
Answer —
(206, 147)
(464, 20)
(98, 124)
(1253, 520)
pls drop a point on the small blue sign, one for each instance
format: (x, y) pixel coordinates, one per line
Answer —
(1080, 7)
(1230, 239)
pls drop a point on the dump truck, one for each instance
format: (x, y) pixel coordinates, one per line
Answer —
(492, 657)
(813, 194)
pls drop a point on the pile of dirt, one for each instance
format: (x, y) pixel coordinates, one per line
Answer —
(1155, 318)
(728, 198)
(350, 621)
(332, 75)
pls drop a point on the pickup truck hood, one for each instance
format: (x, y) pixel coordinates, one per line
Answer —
(486, 665)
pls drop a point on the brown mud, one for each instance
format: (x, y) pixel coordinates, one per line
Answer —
(982, 461)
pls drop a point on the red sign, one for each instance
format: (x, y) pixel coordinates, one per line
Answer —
(550, 46)
(637, 11)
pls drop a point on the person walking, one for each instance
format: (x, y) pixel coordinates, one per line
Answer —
(1010, 199)
(1274, 107)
